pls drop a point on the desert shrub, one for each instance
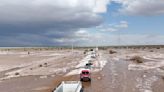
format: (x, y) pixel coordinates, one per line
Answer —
(137, 59)
(162, 68)
(85, 51)
(151, 51)
(16, 73)
(91, 49)
(163, 77)
(46, 64)
(112, 52)
(158, 48)
(24, 49)
(40, 65)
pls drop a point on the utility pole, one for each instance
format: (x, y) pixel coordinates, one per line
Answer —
(119, 40)
(72, 48)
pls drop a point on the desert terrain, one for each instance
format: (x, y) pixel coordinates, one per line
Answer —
(114, 69)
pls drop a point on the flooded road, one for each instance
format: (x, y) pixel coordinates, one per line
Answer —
(115, 77)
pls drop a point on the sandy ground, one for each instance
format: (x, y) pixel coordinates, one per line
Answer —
(42, 71)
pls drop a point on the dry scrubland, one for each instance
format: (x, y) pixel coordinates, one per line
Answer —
(116, 69)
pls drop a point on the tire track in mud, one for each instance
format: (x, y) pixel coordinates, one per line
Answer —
(122, 80)
(119, 75)
(113, 74)
(145, 83)
(125, 83)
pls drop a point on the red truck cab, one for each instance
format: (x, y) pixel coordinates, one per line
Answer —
(85, 75)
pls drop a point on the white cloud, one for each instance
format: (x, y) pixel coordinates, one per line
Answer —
(50, 10)
(113, 27)
(123, 24)
(101, 6)
(82, 33)
(61, 40)
(141, 7)
(109, 29)
(103, 39)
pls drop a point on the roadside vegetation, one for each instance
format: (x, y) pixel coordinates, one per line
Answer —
(112, 52)
(137, 59)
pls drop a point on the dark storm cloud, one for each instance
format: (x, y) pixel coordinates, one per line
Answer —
(38, 22)
(40, 33)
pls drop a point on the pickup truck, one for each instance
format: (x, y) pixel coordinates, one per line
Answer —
(69, 86)
(85, 75)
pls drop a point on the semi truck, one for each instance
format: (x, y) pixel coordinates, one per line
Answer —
(69, 86)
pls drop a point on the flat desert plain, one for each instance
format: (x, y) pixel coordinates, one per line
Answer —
(113, 70)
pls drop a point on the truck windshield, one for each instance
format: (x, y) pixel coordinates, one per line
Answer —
(85, 72)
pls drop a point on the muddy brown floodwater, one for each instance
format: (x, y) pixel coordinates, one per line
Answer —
(115, 77)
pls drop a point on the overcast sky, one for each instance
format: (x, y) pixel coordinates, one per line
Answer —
(81, 22)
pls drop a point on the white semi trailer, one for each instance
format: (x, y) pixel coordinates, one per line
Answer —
(69, 86)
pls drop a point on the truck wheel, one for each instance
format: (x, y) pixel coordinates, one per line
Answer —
(81, 90)
(89, 80)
